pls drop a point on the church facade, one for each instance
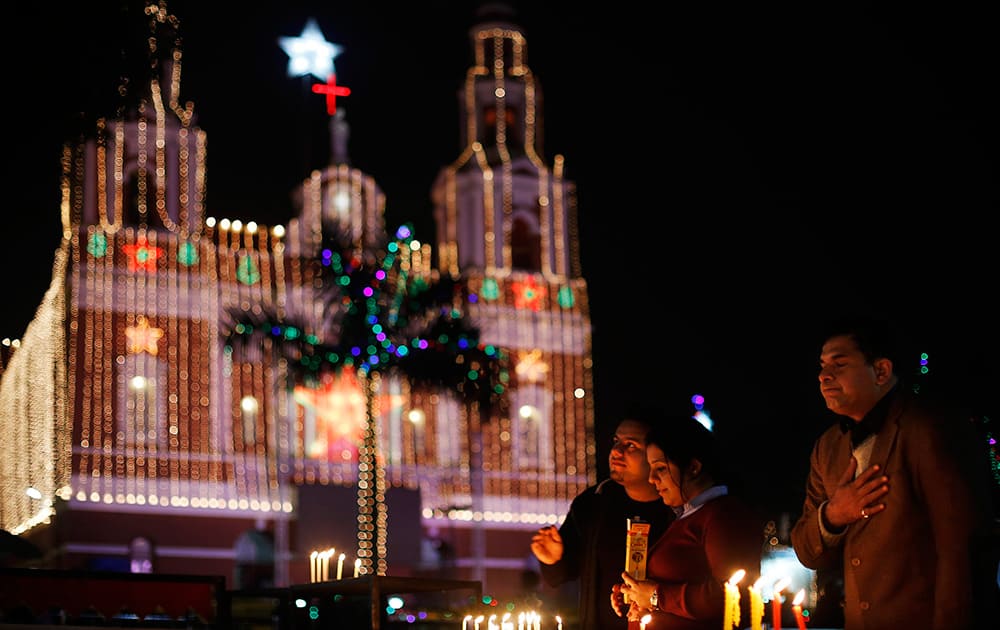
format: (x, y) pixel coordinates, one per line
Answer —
(134, 438)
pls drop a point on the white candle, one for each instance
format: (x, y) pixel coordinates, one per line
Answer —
(465, 622)
(340, 567)
(645, 619)
(478, 621)
(520, 621)
(313, 562)
(505, 623)
(559, 622)
(489, 623)
(357, 567)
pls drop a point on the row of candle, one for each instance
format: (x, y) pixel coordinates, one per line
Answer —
(525, 621)
(731, 617)
(319, 565)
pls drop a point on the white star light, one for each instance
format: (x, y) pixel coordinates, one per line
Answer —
(310, 53)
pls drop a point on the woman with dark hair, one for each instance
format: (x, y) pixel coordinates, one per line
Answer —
(715, 535)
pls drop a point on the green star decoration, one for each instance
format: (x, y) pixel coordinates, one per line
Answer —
(565, 297)
(97, 245)
(490, 289)
(187, 254)
(246, 270)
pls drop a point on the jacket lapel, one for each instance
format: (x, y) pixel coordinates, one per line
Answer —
(885, 440)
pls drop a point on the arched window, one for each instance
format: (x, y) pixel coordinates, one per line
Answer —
(448, 442)
(525, 242)
(142, 407)
(532, 422)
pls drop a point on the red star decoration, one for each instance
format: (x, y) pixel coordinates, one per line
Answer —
(339, 404)
(527, 294)
(142, 255)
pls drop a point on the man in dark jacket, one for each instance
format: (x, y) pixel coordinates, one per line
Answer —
(589, 546)
(897, 494)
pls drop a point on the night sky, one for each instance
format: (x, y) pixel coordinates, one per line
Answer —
(742, 174)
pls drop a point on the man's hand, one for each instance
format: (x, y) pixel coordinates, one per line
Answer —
(854, 499)
(547, 545)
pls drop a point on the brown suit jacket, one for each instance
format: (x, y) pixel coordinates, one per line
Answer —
(928, 560)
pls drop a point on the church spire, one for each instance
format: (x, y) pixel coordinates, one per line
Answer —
(310, 54)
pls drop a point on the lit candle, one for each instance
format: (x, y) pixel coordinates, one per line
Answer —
(489, 623)
(340, 567)
(558, 622)
(645, 619)
(731, 612)
(313, 562)
(797, 609)
(357, 567)
(776, 603)
(324, 573)
(465, 622)
(520, 621)
(756, 605)
(478, 621)
(505, 623)
(538, 621)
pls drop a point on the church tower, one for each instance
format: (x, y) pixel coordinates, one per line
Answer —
(506, 224)
(499, 207)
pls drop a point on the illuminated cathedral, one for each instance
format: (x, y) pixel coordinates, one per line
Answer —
(134, 437)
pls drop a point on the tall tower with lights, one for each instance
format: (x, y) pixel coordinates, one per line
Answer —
(507, 225)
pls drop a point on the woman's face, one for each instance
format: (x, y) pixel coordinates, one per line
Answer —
(665, 475)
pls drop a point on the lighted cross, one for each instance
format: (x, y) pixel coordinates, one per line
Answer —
(332, 91)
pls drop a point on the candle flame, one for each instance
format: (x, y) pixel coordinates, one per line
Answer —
(781, 585)
(739, 575)
(799, 597)
(645, 619)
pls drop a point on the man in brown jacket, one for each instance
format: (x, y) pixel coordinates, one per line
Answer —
(898, 495)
